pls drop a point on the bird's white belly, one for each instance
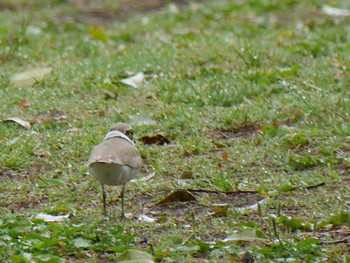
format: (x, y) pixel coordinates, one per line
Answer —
(112, 173)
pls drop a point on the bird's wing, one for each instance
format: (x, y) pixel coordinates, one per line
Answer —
(116, 150)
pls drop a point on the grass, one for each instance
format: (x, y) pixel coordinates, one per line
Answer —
(252, 95)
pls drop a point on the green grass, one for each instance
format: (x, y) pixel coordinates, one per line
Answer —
(253, 95)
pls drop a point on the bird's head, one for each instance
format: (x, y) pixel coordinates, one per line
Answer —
(122, 130)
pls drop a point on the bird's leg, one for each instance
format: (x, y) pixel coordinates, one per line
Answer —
(104, 199)
(122, 197)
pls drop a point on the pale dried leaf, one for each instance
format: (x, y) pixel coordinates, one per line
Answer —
(72, 130)
(333, 11)
(41, 153)
(134, 81)
(144, 178)
(144, 218)
(51, 218)
(135, 256)
(19, 121)
(253, 207)
(29, 77)
(248, 234)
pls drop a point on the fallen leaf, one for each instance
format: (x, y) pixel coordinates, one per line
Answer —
(29, 77)
(134, 81)
(185, 178)
(247, 234)
(81, 242)
(110, 95)
(135, 256)
(19, 121)
(41, 153)
(158, 138)
(177, 196)
(51, 116)
(72, 130)
(220, 210)
(24, 104)
(51, 218)
(144, 218)
(333, 11)
(98, 33)
(188, 174)
(253, 207)
(225, 156)
(144, 178)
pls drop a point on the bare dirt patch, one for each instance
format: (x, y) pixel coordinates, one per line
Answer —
(240, 130)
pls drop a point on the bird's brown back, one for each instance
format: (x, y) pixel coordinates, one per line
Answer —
(116, 150)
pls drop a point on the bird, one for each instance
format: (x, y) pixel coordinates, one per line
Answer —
(116, 160)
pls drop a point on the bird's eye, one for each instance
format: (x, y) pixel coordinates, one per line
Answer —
(130, 134)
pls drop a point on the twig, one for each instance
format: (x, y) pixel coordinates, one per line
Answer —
(306, 187)
(314, 186)
(344, 240)
(222, 192)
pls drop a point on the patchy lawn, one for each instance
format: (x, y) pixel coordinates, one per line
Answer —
(241, 114)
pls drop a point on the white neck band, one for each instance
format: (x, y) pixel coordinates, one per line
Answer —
(112, 134)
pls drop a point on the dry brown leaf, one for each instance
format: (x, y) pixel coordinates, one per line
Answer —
(177, 196)
(158, 138)
(51, 116)
(225, 156)
(24, 104)
(19, 121)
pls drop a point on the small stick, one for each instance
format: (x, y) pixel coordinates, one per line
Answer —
(219, 192)
(344, 240)
(315, 185)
